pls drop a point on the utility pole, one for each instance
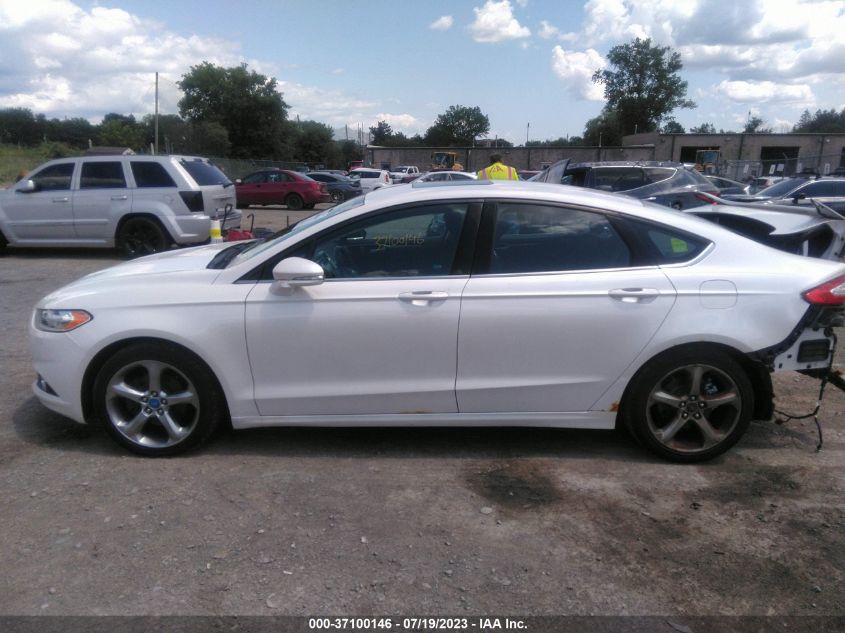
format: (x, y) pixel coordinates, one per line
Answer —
(527, 130)
(155, 136)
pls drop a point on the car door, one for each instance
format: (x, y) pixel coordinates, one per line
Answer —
(556, 311)
(379, 335)
(100, 200)
(46, 213)
(277, 188)
(251, 189)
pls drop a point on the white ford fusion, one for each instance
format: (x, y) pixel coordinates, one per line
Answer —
(497, 304)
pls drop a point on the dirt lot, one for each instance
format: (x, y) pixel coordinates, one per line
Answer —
(307, 522)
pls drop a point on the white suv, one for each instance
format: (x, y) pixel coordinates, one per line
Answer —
(140, 204)
(371, 179)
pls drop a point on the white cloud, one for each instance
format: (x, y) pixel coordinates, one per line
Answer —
(405, 123)
(766, 92)
(576, 68)
(443, 23)
(494, 22)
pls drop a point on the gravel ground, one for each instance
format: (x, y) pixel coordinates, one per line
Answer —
(454, 521)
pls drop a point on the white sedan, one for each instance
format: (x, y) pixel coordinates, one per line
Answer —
(445, 304)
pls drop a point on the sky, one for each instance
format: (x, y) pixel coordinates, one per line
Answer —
(526, 63)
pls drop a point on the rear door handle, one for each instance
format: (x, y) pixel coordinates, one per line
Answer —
(634, 295)
(423, 297)
(60, 199)
(120, 197)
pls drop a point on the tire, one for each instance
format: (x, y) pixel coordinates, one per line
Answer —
(294, 202)
(3, 242)
(689, 405)
(142, 236)
(138, 416)
(310, 205)
(337, 196)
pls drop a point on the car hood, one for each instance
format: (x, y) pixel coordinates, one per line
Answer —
(179, 266)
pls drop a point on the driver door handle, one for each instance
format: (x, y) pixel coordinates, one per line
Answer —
(423, 297)
(60, 199)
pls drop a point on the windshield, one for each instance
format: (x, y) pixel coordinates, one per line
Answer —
(258, 247)
(781, 188)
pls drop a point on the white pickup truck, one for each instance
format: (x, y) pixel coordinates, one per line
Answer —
(403, 173)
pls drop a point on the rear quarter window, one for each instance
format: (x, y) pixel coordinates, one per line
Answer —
(149, 174)
(661, 244)
(204, 173)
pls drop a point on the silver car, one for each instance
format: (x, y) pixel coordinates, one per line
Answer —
(140, 204)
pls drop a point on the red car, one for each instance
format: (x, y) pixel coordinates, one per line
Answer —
(280, 186)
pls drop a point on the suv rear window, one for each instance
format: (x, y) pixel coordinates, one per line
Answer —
(150, 174)
(204, 172)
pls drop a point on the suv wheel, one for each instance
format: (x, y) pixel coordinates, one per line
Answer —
(690, 405)
(157, 400)
(294, 202)
(141, 236)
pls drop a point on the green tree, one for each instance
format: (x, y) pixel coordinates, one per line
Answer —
(755, 125)
(313, 142)
(118, 130)
(20, 127)
(704, 128)
(247, 104)
(603, 130)
(823, 121)
(75, 132)
(671, 126)
(349, 151)
(459, 125)
(381, 133)
(642, 85)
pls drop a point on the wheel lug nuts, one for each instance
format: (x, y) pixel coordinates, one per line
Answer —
(701, 405)
(147, 410)
(145, 400)
(160, 411)
(165, 402)
(697, 416)
(684, 415)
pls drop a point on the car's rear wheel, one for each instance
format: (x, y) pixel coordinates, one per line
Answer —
(3, 242)
(690, 405)
(141, 236)
(157, 400)
(294, 202)
(337, 196)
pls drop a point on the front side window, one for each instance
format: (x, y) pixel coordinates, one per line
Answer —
(102, 175)
(415, 242)
(532, 238)
(149, 174)
(54, 177)
(254, 179)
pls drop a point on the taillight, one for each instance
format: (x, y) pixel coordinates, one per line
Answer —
(193, 200)
(707, 198)
(830, 293)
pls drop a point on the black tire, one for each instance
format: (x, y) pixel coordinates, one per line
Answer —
(337, 196)
(142, 236)
(133, 422)
(310, 205)
(3, 242)
(689, 405)
(294, 202)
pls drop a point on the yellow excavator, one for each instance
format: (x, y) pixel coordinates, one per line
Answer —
(443, 161)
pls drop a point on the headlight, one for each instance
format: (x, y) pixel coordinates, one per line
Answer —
(60, 320)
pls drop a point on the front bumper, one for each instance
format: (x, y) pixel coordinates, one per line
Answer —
(60, 364)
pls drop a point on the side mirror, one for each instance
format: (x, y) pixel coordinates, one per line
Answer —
(27, 186)
(293, 272)
(238, 181)
(798, 196)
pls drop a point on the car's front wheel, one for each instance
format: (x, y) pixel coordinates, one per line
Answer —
(690, 405)
(337, 196)
(157, 400)
(141, 236)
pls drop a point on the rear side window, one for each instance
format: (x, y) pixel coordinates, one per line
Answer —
(664, 244)
(102, 175)
(618, 178)
(149, 174)
(54, 177)
(537, 238)
(658, 174)
(204, 173)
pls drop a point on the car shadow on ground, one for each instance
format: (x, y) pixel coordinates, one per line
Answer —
(38, 426)
(63, 253)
